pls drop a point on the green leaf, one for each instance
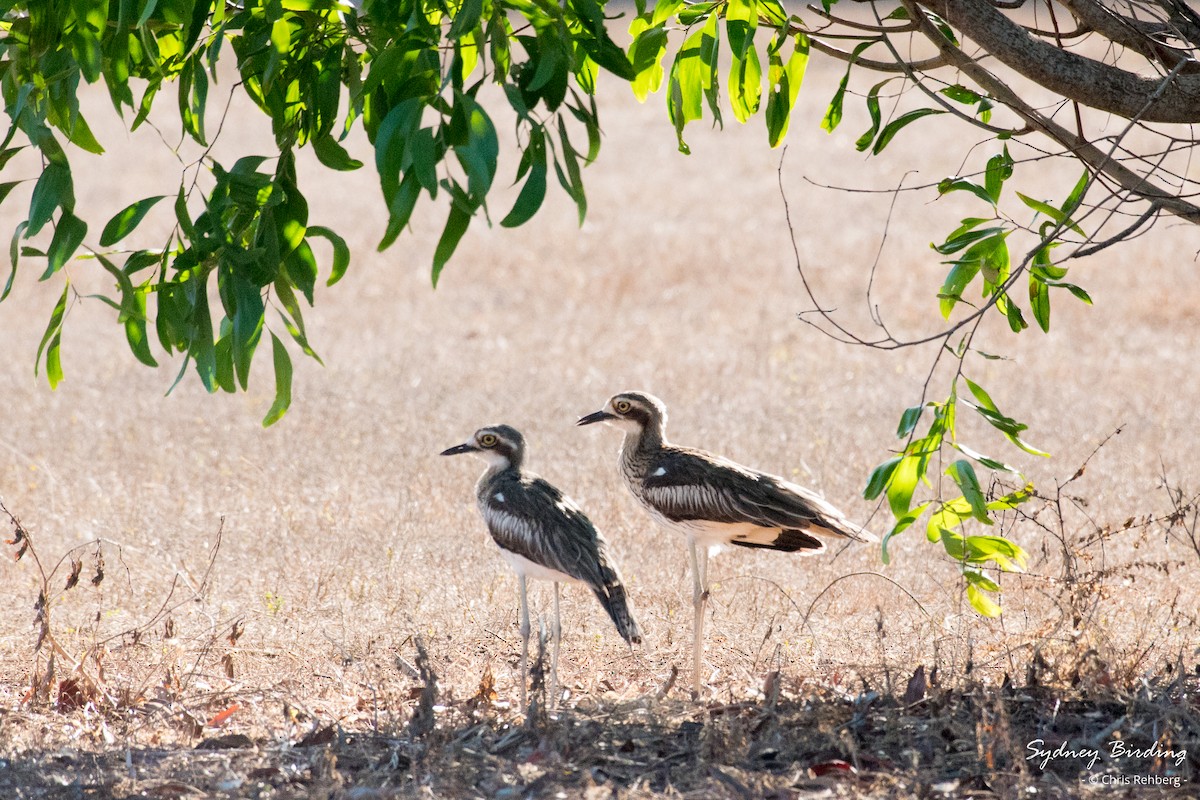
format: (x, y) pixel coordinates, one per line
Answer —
(571, 180)
(1078, 291)
(957, 280)
(68, 235)
(52, 337)
(341, 253)
(985, 605)
(987, 461)
(903, 483)
(999, 169)
(456, 226)
(1050, 211)
(590, 119)
(1016, 320)
(283, 382)
(1005, 554)
(400, 209)
(745, 71)
(695, 12)
(665, 9)
(54, 189)
(947, 185)
(1012, 499)
(183, 217)
(392, 143)
(1039, 302)
(772, 12)
(481, 148)
(147, 12)
(247, 318)
(902, 524)
(123, 223)
(293, 319)
(880, 477)
(9, 153)
(135, 329)
(6, 188)
(193, 99)
(978, 578)
(80, 135)
(14, 256)
(908, 421)
(646, 53)
(833, 113)
(685, 93)
(784, 81)
(949, 515)
(1075, 198)
(741, 20)
(960, 93)
(892, 128)
(466, 19)
(333, 155)
(223, 375)
(981, 395)
(994, 262)
(1008, 426)
(300, 268)
(54, 373)
(876, 114)
(961, 239)
(598, 45)
(530, 198)
(963, 474)
(745, 86)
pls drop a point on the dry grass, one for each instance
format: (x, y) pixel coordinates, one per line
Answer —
(345, 540)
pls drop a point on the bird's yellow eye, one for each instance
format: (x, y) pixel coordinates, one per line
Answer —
(622, 406)
(488, 440)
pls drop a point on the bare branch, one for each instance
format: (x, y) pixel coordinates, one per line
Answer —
(1080, 147)
(1131, 33)
(1073, 76)
(861, 26)
(873, 64)
(1123, 236)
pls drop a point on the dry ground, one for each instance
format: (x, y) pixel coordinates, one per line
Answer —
(338, 540)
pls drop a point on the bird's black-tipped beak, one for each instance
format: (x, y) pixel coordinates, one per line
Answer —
(598, 416)
(459, 449)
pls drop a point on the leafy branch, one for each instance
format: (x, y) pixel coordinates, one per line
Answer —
(242, 256)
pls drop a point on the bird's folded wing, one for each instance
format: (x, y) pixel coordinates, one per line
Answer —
(684, 485)
(535, 520)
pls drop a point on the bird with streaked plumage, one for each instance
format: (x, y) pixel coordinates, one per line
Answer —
(715, 502)
(542, 534)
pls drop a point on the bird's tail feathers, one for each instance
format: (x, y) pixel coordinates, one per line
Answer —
(788, 540)
(852, 530)
(612, 597)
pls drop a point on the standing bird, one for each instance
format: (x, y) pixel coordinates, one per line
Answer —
(542, 534)
(714, 501)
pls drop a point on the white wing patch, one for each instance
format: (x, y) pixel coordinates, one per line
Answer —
(568, 506)
(506, 526)
(698, 501)
(523, 542)
(499, 497)
(658, 473)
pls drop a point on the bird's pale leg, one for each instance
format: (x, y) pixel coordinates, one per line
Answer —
(703, 554)
(699, 595)
(556, 632)
(524, 641)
